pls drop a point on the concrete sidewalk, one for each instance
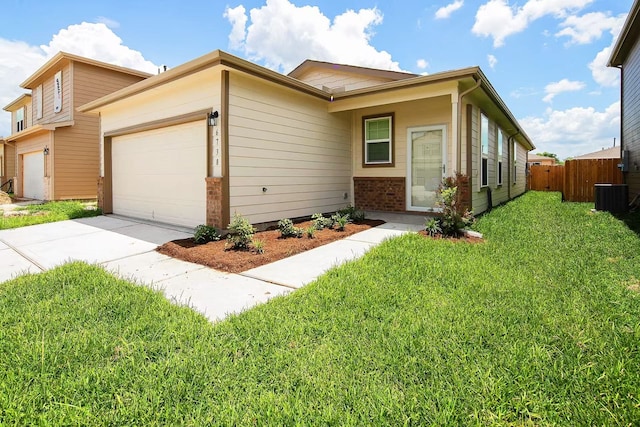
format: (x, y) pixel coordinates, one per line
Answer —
(127, 248)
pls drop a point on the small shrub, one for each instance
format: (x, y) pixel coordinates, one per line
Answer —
(320, 221)
(287, 229)
(310, 232)
(205, 234)
(356, 215)
(258, 245)
(240, 232)
(432, 227)
(455, 216)
(340, 221)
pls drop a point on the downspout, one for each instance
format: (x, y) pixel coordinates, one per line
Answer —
(459, 124)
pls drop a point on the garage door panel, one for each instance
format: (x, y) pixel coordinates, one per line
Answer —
(160, 175)
(33, 175)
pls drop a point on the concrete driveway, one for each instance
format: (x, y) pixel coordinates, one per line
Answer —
(126, 248)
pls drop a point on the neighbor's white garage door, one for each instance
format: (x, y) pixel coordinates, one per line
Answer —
(160, 174)
(33, 175)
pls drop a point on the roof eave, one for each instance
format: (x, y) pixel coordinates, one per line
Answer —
(630, 27)
(217, 57)
(470, 72)
(8, 107)
(61, 56)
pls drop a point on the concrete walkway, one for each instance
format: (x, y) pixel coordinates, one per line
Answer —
(127, 248)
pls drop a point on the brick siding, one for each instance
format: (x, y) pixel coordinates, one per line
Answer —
(214, 202)
(101, 192)
(380, 194)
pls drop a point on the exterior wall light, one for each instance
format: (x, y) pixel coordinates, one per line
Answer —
(45, 151)
(212, 118)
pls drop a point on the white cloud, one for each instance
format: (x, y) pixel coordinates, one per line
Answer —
(564, 85)
(446, 11)
(282, 35)
(499, 20)
(603, 75)
(108, 22)
(589, 27)
(18, 60)
(238, 19)
(492, 61)
(97, 41)
(575, 131)
(422, 64)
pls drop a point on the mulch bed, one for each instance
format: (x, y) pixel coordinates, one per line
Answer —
(216, 255)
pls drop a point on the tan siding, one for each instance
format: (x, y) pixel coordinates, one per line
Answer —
(520, 184)
(336, 79)
(186, 95)
(91, 82)
(48, 116)
(500, 192)
(9, 161)
(285, 142)
(429, 112)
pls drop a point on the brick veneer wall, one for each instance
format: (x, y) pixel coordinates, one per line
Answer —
(101, 192)
(380, 194)
(214, 202)
(464, 191)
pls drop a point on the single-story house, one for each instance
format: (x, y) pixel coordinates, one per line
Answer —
(53, 146)
(626, 56)
(219, 135)
(535, 159)
(605, 153)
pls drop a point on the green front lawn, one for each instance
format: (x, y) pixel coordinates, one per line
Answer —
(539, 325)
(48, 212)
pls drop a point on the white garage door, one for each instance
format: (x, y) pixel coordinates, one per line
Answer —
(160, 174)
(33, 175)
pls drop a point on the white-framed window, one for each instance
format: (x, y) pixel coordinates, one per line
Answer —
(484, 151)
(500, 144)
(19, 119)
(378, 140)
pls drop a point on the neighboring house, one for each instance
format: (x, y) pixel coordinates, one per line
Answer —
(605, 153)
(7, 164)
(55, 148)
(626, 57)
(534, 159)
(220, 135)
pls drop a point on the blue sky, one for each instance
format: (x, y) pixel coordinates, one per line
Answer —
(546, 58)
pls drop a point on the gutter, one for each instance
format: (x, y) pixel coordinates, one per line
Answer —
(459, 124)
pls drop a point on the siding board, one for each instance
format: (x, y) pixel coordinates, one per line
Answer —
(289, 144)
(631, 117)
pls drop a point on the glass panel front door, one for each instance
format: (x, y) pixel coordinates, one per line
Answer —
(426, 166)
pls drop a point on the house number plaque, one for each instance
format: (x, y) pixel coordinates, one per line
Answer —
(217, 153)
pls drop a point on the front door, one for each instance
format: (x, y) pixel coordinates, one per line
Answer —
(426, 159)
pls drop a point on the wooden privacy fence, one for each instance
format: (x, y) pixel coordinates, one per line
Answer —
(576, 178)
(546, 178)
